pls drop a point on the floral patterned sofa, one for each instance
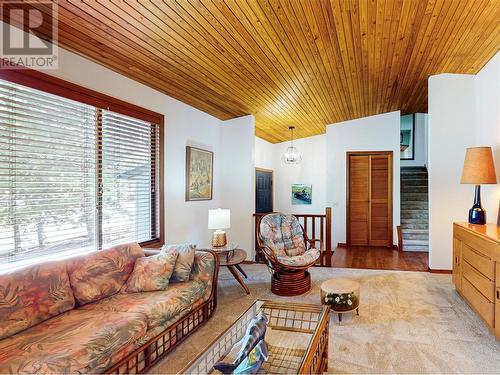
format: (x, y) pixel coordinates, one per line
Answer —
(70, 317)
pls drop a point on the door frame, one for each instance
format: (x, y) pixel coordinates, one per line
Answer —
(390, 192)
(258, 169)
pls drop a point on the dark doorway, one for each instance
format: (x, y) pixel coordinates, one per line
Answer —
(263, 190)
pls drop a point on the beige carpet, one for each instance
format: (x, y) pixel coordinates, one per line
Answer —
(410, 322)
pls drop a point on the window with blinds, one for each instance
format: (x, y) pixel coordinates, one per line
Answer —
(73, 177)
(128, 190)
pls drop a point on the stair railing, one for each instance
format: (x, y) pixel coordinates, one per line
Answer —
(400, 238)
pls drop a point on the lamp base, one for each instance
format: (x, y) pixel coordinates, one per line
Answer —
(477, 214)
(219, 239)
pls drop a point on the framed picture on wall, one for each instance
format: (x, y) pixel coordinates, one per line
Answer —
(301, 194)
(199, 174)
(407, 137)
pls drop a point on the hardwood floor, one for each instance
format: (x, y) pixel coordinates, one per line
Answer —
(380, 258)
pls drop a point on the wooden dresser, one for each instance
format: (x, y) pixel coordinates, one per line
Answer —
(476, 269)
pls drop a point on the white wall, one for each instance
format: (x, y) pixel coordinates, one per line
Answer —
(184, 125)
(311, 171)
(237, 179)
(464, 111)
(324, 166)
(374, 133)
(265, 154)
(420, 142)
(451, 130)
(488, 128)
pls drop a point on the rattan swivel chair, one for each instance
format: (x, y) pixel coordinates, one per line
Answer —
(288, 253)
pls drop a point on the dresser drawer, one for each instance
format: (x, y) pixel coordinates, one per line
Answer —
(481, 263)
(476, 241)
(484, 308)
(484, 285)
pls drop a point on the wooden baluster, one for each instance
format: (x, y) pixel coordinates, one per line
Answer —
(314, 228)
(257, 255)
(322, 239)
(328, 247)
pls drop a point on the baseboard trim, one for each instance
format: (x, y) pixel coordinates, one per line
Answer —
(440, 271)
(343, 244)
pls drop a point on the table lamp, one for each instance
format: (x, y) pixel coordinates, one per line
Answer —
(219, 219)
(478, 169)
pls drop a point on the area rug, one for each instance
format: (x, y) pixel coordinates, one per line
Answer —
(409, 322)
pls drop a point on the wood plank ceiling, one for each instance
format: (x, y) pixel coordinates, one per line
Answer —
(306, 63)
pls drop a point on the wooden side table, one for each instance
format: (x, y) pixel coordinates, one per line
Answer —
(233, 262)
(342, 295)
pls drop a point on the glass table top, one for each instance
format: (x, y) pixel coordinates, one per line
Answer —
(289, 335)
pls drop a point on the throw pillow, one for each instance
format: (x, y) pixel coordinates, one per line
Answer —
(102, 273)
(151, 273)
(184, 261)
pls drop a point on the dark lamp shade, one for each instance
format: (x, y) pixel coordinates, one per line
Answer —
(479, 167)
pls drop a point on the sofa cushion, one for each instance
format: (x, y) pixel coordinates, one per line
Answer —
(204, 267)
(158, 306)
(151, 273)
(32, 295)
(184, 261)
(154, 332)
(77, 341)
(102, 273)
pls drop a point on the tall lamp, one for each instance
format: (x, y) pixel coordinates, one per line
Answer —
(219, 219)
(478, 169)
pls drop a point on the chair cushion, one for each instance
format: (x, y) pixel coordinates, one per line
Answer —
(282, 234)
(184, 261)
(102, 273)
(77, 341)
(32, 295)
(158, 307)
(293, 236)
(151, 273)
(309, 257)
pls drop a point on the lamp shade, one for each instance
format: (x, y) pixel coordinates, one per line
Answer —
(219, 219)
(479, 167)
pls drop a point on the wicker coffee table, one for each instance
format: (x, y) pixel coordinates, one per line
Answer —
(297, 338)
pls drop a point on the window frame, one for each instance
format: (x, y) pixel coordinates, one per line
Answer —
(56, 86)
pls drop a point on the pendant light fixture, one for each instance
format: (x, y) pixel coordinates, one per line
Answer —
(291, 155)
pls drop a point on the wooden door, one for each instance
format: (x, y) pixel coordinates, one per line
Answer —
(359, 200)
(263, 191)
(380, 200)
(369, 202)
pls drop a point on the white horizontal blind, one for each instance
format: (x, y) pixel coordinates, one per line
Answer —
(129, 192)
(73, 178)
(47, 175)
